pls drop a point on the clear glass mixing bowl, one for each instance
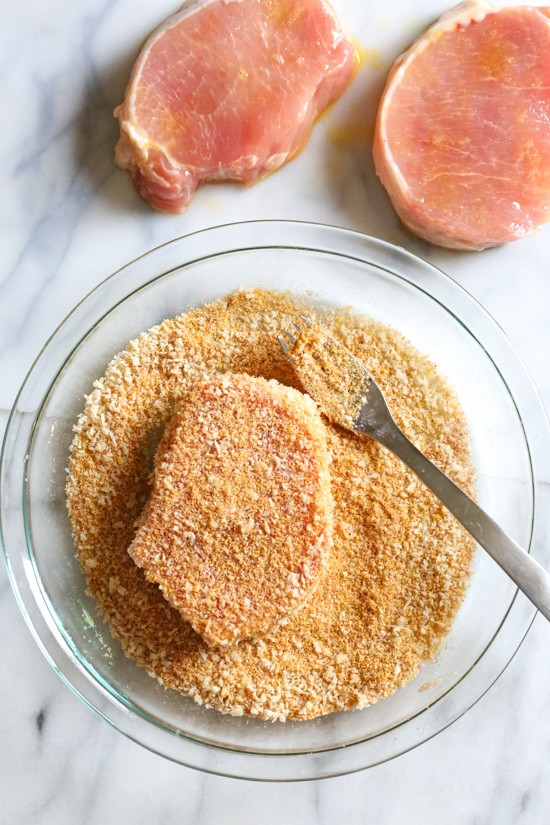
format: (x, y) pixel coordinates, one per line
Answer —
(338, 267)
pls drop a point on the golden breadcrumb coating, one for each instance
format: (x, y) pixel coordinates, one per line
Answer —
(239, 521)
(399, 564)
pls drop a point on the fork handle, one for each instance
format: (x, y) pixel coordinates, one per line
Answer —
(522, 568)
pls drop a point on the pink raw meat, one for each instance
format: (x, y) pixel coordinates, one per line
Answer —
(228, 90)
(462, 140)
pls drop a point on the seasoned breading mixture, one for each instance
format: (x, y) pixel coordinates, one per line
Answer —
(337, 382)
(399, 564)
(239, 521)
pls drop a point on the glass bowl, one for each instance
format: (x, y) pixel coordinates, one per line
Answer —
(338, 267)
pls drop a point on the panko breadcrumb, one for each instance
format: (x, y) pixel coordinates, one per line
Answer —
(239, 521)
(330, 374)
(399, 562)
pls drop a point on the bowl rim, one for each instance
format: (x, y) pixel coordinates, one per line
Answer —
(440, 713)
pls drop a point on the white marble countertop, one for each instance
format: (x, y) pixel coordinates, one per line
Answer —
(69, 219)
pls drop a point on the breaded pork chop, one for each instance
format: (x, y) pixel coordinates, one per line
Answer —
(238, 525)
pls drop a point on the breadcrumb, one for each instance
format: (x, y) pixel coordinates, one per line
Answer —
(399, 563)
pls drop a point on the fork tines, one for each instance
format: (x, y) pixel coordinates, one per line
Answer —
(289, 335)
(282, 341)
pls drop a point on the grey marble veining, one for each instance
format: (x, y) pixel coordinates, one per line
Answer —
(69, 218)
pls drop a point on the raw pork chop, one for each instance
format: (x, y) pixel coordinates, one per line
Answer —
(228, 90)
(462, 141)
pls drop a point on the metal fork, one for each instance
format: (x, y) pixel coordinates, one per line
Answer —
(346, 392)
